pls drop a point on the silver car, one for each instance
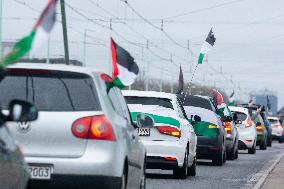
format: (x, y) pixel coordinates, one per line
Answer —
(84, 136)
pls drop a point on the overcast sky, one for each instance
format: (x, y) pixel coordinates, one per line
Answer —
(249, 35)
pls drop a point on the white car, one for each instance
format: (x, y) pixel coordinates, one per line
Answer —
(171, 142)
(277, 129)
(246, 128)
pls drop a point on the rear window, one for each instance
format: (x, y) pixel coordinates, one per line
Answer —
(197, 102)
(241, 116)
(162, 102)
(273, 121)
(49, 90)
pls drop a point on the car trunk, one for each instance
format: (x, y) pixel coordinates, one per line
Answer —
(51, 135)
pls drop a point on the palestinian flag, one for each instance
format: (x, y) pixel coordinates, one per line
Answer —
(207, 46)
(125, 70)
(217, 97)
(232, 99)
(36, 38)
(180, 82)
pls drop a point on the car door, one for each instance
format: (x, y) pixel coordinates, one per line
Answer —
(190, 130)
(135, 152)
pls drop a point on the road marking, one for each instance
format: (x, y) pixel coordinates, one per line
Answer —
(261, 176)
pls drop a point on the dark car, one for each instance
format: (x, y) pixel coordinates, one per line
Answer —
(13, 170)
(211, 135)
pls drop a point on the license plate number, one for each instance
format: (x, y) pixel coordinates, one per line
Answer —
(143, 131)
(37, 172)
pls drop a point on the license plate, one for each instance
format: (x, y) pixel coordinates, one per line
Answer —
(143, 131)
(40, 172)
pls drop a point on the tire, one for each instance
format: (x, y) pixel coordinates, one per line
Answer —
(269, 142)
(181, 172)
(192, 169)
(253, 149)
(237, 154)
(218, 160)
(143, 179)
(231, 154)
(224, 157)
(123, 180)
(263, 146)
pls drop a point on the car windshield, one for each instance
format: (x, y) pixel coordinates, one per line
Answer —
(241, 116)
(273, 121)
(151, 105)
(151, 101)
(49, 90)
(196, 101)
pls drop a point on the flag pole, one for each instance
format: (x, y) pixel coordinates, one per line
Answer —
(1, 43)
(64, 29)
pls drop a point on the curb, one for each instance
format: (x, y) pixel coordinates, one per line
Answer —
(262, 179)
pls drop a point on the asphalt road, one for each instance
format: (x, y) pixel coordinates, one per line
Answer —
(240, 173)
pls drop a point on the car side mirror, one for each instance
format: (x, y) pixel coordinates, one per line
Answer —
(238, 122)
(196, 118)
(22, 111)
(144, 120)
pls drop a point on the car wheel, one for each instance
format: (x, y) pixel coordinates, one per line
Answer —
(253, 149)
(224, 157)
(263, 146)
(237, 154)
(181, 172)
(231, 154)
(123, 180)
(269, 143)
(143, 178)
(218, 160)
(192, 169)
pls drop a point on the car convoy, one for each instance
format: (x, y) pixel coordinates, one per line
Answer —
(83, 132)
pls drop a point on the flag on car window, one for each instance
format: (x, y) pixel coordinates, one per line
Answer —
(36, 38)
(232, 99)
(180, 82)
(207, 46)
(125, 70)
(218, 97)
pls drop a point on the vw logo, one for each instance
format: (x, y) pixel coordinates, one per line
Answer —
(24, 127)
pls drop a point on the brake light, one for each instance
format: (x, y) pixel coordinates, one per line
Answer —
(228, 127)
(170, 158)
(167, 130)
(93, 127)
(248, 140)
(259, 128)
(248, 123)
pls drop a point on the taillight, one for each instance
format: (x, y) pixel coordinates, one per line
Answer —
(259, 128)
(167, 130)
(277, 126)
(228, 127)
(93, 127)
(248, 123)
(170, 158)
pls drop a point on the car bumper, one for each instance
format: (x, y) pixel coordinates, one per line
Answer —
(78, 181)
(155, 162)
(161, 149)
(100, 158)
(207, 147)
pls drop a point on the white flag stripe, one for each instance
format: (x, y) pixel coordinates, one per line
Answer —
(206, 47)
(125, 76)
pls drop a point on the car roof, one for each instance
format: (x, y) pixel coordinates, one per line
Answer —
(55, 67)
(238, 109)
(253, 106)
(148, 94)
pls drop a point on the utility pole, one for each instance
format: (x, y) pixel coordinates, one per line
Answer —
(64, 29)
(48, 50)
(1, 14)
(84, 48)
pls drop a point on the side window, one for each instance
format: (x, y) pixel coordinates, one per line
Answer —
(180, 110)
(124, 106)
(115, 101)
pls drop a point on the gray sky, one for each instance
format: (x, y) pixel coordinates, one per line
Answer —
(249, 34)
